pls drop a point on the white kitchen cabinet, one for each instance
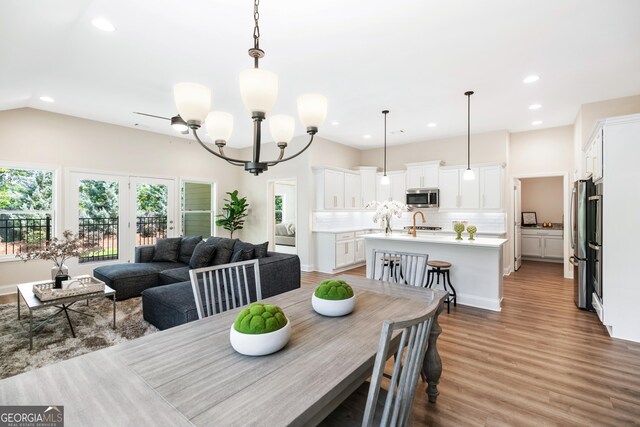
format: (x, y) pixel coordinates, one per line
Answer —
(423, 175)
(490, 179)
(337, 252)
(329, 188)
(592, 157)
(531, 246)
(457, 193)
(542, 243)
(368, 175)
(352, 191)
(396, 190)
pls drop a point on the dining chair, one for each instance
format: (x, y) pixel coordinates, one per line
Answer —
(399, 267)
(391, 405)
(223, 287)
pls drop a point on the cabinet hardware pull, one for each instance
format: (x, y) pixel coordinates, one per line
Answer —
(346, 248)
(335, 201)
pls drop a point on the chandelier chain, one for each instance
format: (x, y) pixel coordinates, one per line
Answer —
(256, 28)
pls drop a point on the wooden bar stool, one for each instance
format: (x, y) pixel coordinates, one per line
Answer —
(442, 268)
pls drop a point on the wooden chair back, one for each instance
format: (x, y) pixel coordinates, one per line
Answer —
(414, 338)
(224, 287)
(399, 267)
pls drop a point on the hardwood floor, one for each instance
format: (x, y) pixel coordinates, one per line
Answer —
(540, 361)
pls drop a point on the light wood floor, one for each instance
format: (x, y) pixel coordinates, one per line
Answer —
(540, 361)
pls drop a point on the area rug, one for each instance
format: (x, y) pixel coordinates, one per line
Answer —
(53, 342)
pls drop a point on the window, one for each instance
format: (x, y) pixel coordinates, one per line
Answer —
(279, 202)
(26, 208)
(198, 209)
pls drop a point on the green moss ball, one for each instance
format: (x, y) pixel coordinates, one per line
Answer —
(260, 318)
(334, 290)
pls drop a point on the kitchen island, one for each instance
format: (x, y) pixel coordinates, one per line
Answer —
(476, 265)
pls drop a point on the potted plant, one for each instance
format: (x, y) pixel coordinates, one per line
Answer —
(235, 210)
(59, 251)
(260, 329)
(333, 298)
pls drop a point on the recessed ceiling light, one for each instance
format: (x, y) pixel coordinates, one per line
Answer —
(47, 99)
(535, 106)
(536, 122)
(532, 78)
(103, 24)
(335, 123)
(367, 136)
(432, 125)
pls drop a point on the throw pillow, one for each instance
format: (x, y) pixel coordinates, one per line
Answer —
(202, 255)
(259, 251)
(167, 249)
(224, 250)
(187, 245)
(242, 255)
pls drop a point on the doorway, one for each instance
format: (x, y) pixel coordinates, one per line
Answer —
(541, 219)
(282, 223)
(119, 212)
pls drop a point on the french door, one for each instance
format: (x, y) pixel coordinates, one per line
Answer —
(118, 212)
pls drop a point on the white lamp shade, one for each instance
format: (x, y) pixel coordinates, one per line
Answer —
(259, 89)
(193, 101)
(384, 180)
(219, 125)
(282, 127)
(468, 175)
(312, 109)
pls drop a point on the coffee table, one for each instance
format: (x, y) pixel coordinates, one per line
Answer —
(25, 291)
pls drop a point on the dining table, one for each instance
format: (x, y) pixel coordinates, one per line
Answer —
(191, 375)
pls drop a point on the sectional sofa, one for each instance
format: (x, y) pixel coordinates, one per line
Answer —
(160, 274)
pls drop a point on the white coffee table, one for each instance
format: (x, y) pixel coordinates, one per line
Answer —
(25, 291)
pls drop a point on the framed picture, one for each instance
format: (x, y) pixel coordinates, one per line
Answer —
(529, 218)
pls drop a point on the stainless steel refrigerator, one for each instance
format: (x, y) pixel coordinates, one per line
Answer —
(579, 233)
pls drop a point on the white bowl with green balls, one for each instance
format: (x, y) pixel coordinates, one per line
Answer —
(333, 298)
(260, 329)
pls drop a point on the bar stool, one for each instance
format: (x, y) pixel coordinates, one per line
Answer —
(442, 268)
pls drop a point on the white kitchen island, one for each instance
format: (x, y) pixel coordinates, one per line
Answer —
(476, 265)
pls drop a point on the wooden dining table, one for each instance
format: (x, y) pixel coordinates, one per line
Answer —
(190, 375)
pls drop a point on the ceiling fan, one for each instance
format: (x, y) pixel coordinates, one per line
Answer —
(176, 122)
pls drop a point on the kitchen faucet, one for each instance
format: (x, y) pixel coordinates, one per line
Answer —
(413, 229)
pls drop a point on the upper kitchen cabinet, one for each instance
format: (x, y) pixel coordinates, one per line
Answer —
(593, 156)
(396, 190)
(352, 191)
(330, 186)
(424, 174)
(482, 193)
(368, 175)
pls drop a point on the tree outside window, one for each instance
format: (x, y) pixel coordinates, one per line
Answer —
(279, 202)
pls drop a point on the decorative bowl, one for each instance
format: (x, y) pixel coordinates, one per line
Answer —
(333, 308)
(260, 344)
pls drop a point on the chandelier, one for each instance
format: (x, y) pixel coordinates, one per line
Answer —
(259, 90)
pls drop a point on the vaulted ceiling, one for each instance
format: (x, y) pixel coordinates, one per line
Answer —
(415, 58)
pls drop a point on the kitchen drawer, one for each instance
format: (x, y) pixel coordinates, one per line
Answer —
(361, 233)
(345, 236)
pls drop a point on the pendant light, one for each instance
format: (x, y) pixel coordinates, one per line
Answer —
(468, 174)
(385, 178)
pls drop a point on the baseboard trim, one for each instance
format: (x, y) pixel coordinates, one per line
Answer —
(480, 302)
(7, 289)
(343, 269)
(308, 268)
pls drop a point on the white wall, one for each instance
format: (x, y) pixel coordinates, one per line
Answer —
(545, 197)
(37, 137)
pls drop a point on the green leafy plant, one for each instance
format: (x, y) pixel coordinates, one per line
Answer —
(235, 210)
(334, 290)
(260, 318)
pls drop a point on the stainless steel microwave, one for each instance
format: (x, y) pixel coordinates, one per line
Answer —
(423, 197)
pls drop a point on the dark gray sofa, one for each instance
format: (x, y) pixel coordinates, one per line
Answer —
(173, 304)
(165, 287)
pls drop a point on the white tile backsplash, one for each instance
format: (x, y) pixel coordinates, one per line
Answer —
(487, 222)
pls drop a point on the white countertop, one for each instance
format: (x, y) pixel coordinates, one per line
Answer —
(487, 242)
(401, 230)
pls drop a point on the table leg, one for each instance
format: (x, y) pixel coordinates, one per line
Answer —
(18, 299)
(73, 333)
(30, 330)
(114, 311)
(432, 367)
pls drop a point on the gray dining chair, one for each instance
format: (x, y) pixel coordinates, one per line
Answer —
(399, 267)
(373, 405)
(224, 287)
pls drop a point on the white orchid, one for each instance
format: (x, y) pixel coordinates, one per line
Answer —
(385, 211)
